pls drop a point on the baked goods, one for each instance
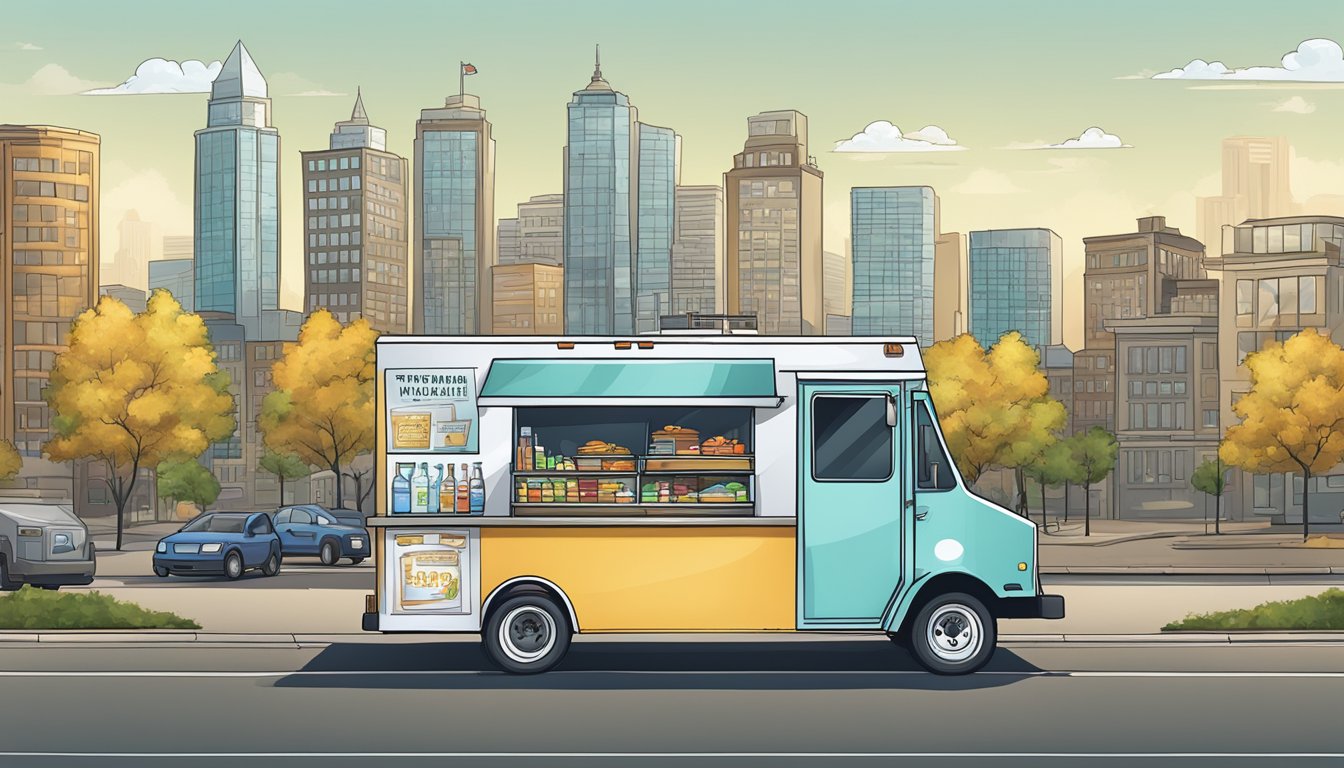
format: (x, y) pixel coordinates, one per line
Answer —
(722, 446)
(602, 448)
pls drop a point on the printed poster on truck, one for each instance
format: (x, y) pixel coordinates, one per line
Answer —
(432, 410)
(429, 570)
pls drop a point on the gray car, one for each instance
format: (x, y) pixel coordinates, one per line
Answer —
(45, 545)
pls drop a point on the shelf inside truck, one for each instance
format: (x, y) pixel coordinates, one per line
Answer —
(632, 510)
(698, 464)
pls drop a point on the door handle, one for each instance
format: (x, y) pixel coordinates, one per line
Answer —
(921, 513)
(909, 503)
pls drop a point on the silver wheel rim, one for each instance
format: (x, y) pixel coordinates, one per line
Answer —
(273, 564)
(234, 565)
(527, 634)
(955, 633)
(328, 554)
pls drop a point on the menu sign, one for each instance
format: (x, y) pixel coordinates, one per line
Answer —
(431, 410)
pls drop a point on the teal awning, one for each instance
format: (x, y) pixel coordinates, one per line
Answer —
(631, 382)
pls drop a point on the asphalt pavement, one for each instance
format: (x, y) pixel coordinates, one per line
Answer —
(797, 701)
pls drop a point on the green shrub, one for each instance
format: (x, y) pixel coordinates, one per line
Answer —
(1320, 612)
(32, 608)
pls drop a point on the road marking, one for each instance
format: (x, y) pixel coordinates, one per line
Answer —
(717, 673)
(690, 755)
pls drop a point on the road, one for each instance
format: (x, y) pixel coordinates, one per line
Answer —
(615, 702)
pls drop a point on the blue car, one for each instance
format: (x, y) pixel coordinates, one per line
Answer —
(309, 529)
(215, 543)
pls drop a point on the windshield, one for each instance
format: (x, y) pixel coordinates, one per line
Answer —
(216, 524)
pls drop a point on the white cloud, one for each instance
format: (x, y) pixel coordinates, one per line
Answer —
(27, 47)
(165, 76)
(292, 84)
(1092, 138)
(50, 80)
(1296, 105)
(983, 181)
(1319, 60)
(882, 136)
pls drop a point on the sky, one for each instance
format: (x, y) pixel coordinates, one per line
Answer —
(1001, 80)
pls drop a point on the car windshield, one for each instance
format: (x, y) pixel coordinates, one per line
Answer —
(216, 524)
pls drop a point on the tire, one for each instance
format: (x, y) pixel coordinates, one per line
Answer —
(356, 560)
(527, 635)
(954, 634)
(329, 553)
(161, 572)
(272, 565)
(5, 584)
(233, 566)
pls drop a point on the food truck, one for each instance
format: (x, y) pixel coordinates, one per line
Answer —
(530, 488)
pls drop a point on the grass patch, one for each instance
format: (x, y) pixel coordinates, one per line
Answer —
(32, 608)
(1320, 612)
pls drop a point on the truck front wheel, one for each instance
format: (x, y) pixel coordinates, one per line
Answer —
(953, 634)
(527, 634)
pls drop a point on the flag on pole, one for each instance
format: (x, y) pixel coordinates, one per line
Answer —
(468, 69)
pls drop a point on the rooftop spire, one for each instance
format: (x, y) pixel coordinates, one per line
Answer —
(239, 77)
(358, 115)
(597, 83)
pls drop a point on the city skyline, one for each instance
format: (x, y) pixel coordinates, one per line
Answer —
(987, 186)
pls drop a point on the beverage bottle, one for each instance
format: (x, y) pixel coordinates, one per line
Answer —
(538, 454)
(420, 490)
(401, 491)
(463, 492)
(524, 459)
(448, 493)
(434, 491)
(476, 490)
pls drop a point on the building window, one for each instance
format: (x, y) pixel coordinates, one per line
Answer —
(1211, 418)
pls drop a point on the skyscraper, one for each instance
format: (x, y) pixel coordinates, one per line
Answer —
(454, 242)
(237, 207)
(355, 254)
(772, 194)
(601, 217)
(837, 292)
(893, 232)
(507, 250)
(48, 273)
(178, 247)
(1255, 186)
(697, 251)
(528, 299)
(949, 286)
(134, 238)
(1016, 284)
(659, 173)
(537, 235)
(175, 276)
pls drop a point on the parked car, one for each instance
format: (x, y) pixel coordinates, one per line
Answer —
(45, 545)
(310, 529)
(228, 543)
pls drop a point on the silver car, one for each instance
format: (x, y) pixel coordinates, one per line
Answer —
(45, 545)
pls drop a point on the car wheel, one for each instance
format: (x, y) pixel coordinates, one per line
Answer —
(272, 565)
(160, 571)
(527, 634)
(5, 584)
(954, 634)
(329, 553)
(356, 560)
(233, 566)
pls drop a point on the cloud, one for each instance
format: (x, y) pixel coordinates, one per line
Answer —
(1296, 105)
(292, 84)
(50, 80)
(165, 76)
(1319, 60)
(983, 181)
(27, 47)
(1092, 138)
(882, 136)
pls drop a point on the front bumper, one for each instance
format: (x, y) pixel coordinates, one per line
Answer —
(54, 573)
(191, 565)
(1039, 607)
(349, 550)
(369, 622)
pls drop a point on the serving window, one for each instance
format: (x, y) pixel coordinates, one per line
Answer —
(633, 461)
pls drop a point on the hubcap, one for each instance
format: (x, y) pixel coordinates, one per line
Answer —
(955, 633)
(527, 634)
(235, 566)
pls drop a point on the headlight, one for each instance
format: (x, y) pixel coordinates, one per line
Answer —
(357, 543)
(163, 547)
(210, 549)
(30, 532)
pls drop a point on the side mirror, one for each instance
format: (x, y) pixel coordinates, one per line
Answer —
(891, 411)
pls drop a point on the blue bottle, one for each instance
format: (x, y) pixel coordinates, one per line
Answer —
(401, 489)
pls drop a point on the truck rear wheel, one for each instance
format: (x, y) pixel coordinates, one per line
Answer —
(527, 634)
(953, 634)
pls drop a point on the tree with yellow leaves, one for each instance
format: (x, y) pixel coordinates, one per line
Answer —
(136, 390)
(995, 407)
(1292, 420)
(322, 408)
(10, 461)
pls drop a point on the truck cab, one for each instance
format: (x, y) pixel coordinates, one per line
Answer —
(45, 545)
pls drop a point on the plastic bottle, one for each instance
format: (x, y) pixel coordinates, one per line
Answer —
(448, 493)
(434, 491)
(401, 490)
(420, 490)
(476, 490)
(523, 461)
(464, 492)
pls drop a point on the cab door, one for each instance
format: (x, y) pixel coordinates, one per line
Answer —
(851, 503)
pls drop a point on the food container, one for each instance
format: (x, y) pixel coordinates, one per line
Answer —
(431, 580)
(534, 491)
(625, 497)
